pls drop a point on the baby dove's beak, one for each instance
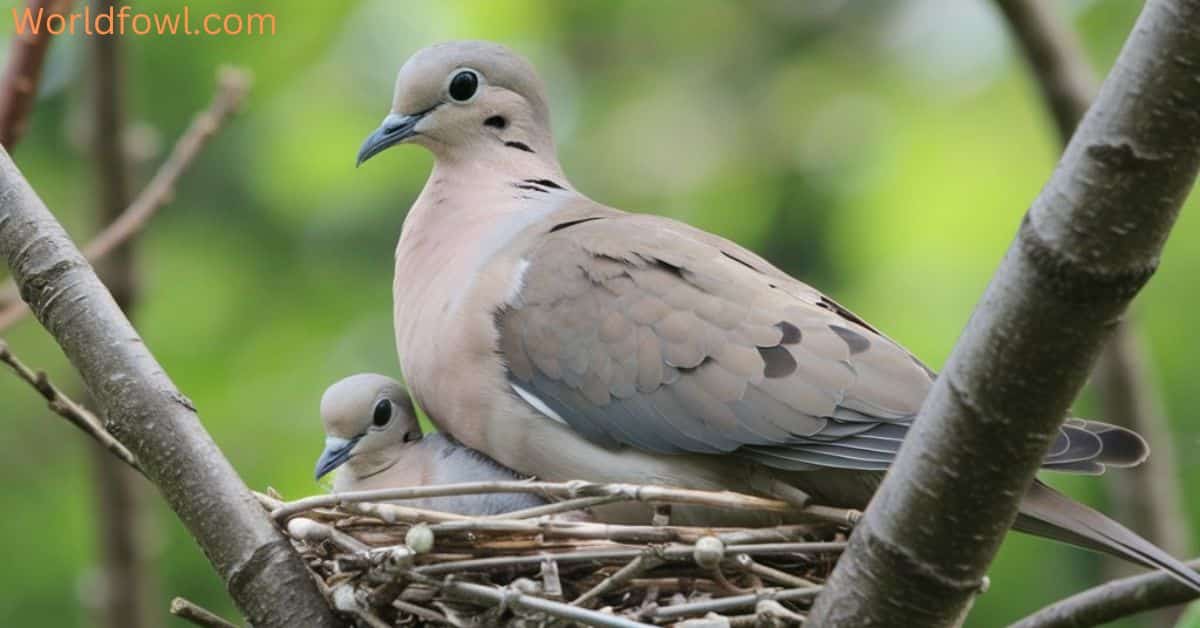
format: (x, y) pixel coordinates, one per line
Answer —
(337, 452)
(396, 128)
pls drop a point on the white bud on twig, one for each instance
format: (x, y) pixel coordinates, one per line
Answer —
(709, 552)
(419, 539)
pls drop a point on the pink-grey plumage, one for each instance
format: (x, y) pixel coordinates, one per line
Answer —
(571, 340)
(374, 441)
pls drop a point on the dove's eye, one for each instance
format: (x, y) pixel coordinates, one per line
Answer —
(463, 85)
(382, 414)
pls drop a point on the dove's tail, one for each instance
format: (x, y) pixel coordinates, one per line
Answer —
(1046, 512)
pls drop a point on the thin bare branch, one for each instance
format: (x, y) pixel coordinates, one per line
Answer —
(196, 614)
(22, 74)
(65, 407)
(1112, 601)
(735, 602)
(493, 596)
(677, 551)
(1056, 58)
(232, 87)
(640, 564)
(744, 561)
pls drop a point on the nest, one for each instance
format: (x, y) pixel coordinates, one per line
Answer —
(385, 564)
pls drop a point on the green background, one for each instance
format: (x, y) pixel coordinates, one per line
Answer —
(882, 151)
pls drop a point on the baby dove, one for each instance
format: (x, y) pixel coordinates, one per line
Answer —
(374, 441)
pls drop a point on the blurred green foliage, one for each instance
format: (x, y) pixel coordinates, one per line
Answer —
(884, 152)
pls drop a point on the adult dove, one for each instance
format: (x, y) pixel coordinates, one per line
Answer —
(374, 440)
(570, 340)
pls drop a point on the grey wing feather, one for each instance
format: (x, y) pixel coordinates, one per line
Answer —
(639, 331)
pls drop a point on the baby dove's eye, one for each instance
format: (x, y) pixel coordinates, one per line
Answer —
(382, 414)
(463, 85)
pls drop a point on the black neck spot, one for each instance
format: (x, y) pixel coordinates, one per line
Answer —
(571, 223)
(544, 183)
(530, 187)
(519, 146)
(497, 122)
(740, 261)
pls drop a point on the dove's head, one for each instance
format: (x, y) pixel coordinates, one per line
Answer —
(368, 419)
(466, 98)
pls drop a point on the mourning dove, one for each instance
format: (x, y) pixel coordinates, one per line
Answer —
(570, 340)
(372, 437)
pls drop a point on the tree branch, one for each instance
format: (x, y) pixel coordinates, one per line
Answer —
(198, 615)
(232, 86)
(1112, 601)
(1087, 245)
(144, 410)
(19, 86)
(65, 407)
(1056, 58)
(1128, 395)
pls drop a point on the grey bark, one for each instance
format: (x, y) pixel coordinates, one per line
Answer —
(22, 73)
(1150, 495)
(147, 413)
(1087, 245)
(127, 532)
(1112, 601)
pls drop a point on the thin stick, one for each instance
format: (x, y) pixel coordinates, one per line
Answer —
(734, 601)
(644, 562)
(579, 503)
(419, 611)
(232, 87)
(23, 73)
(493, 596)
(748, 564)
(626, 492)
(67, 408)
(670, 552)
(190, 611)
(1112, 601)
(579, 529)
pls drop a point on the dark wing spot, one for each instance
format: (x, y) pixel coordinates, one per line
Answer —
(692, 369)
(791, 333)
(857, 342)
(572, 223)
(519, 146)
(671, 268)
(740, 261)
(545, 183)
(496, 122)
(779, 362)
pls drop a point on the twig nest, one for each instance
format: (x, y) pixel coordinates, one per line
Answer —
(419, 539)
(712, 620)
(344, 599)
(307, 530)
(709, 552)
(395, 560)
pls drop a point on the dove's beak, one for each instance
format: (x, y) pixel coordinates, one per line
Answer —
(396, 128)
(337, 452)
